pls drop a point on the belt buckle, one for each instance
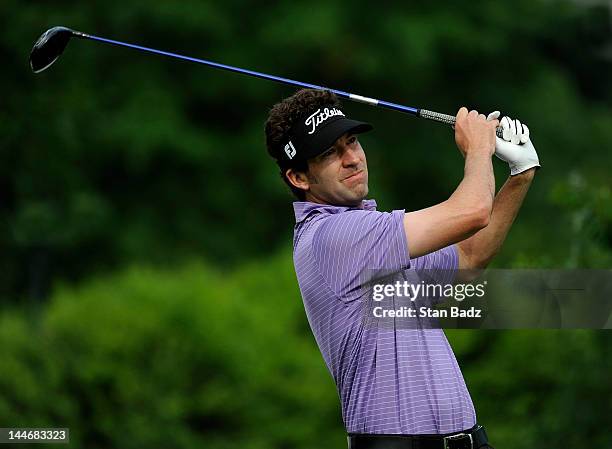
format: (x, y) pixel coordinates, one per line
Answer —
(463, 440)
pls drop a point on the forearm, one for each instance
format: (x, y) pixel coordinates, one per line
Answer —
(477, 189)
(482, 246)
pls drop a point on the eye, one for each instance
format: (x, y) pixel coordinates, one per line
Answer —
(352, 140)
(328, 153)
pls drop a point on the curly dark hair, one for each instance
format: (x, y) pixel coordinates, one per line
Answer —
(281, 119)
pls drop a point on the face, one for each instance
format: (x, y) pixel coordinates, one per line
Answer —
(339, 176)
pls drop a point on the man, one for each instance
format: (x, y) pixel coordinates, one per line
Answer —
(399, 388)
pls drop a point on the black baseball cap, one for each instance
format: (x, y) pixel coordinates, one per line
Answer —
(316, 132)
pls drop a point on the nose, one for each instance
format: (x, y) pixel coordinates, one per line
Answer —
(350, 156)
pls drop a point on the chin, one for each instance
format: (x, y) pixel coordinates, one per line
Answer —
(362, 192)
(357, 196)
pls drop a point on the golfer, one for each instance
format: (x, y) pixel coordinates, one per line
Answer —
(399, 388)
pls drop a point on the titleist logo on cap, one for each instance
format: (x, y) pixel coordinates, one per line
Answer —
(319, 117)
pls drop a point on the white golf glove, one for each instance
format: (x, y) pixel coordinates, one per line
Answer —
(515, 148)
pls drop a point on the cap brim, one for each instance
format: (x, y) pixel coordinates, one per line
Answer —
(333, 131)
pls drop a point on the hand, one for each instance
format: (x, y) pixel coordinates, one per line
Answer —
(474, 134)
(515, 147)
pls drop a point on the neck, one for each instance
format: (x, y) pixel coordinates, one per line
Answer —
(314, 199)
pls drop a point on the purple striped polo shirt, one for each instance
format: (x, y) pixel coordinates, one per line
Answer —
(390, 380)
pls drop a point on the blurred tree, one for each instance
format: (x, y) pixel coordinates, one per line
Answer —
(113, 157)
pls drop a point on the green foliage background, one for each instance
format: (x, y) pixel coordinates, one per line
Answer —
(146, 274)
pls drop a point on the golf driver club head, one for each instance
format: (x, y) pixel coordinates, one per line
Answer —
(49, 47)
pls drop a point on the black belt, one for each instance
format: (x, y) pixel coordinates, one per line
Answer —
(468, 439)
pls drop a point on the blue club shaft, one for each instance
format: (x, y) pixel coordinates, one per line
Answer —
(340, 93)
(423, 113)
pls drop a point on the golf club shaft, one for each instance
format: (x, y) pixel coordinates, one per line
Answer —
(423, 113)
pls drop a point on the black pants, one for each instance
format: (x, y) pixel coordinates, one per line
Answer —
(486, 446)
(477, 440)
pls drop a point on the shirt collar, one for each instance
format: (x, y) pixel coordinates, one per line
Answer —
(303, 209)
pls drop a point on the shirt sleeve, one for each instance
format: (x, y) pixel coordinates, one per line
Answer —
(440, 266)
(355, 247)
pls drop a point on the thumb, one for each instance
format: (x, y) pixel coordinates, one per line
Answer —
(493, 115)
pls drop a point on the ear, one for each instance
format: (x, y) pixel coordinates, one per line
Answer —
(298, 179)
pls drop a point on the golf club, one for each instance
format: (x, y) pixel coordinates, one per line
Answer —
(52, 43)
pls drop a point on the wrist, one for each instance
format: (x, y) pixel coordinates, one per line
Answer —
(525, 176)
(479, 153)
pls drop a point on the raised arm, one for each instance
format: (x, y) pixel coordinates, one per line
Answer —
(468, 209)
(517, 149)
(478, 250)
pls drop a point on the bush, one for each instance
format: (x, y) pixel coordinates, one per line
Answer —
(193, 357)
(181, 359)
